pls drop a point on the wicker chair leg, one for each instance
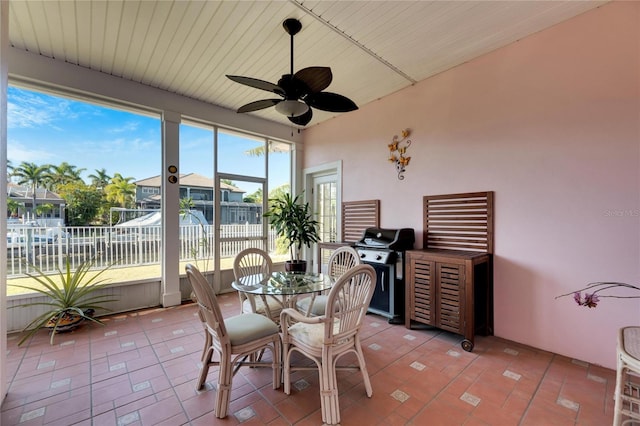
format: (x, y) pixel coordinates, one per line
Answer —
(207, 360)
(208, 341)
(276, 364)
(363, 369)
(223, 393)
(329, 402)
(617, 395)
(286, 367)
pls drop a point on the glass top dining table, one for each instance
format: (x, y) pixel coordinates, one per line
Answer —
(284, 283)
(283, 288)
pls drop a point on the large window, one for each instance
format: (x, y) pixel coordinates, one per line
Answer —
(196, 168)
(280, 169)
(241, 154)
(245, 164)
(86, 181)
(74, 171)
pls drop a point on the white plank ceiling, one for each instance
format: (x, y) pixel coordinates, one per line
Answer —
(374, 48)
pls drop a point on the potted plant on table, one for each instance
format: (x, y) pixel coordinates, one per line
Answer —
(72, 298)
(293, 220)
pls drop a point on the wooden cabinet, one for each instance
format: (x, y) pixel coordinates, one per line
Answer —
(451, 290)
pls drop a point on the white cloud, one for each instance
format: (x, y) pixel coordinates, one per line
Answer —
(18, 153)
(118, 147)
(130, 126)
(28, 110)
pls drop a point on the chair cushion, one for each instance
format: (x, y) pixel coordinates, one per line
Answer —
(311, 334)
(247, 327)
(318, 308)
(274, 306)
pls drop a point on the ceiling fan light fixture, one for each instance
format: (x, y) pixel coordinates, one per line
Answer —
(292, 108)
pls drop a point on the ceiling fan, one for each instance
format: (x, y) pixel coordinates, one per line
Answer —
(300, 92)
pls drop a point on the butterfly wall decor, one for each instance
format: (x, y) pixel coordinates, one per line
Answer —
(397, 152)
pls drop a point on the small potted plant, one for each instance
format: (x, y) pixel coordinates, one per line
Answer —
(72, 298)
(293, 220)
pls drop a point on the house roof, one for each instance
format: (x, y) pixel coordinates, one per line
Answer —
(192, 180)
(374, 48)
(24, 193)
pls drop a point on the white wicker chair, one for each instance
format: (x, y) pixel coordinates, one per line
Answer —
(627, 391)
(324, 339)
(256, 262)
(341, 260)
(234, 339)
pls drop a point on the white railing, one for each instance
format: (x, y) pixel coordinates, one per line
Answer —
(46, 248)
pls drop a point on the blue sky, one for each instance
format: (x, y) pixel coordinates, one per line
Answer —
(46, 129)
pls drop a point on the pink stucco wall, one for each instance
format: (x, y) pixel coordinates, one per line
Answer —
(551, 124)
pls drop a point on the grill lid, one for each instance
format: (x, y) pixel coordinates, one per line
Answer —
(388, 239)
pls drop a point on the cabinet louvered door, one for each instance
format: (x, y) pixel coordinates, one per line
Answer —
(450, 300)
(423, 292)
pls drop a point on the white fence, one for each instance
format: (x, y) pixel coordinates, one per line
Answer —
(46, 248)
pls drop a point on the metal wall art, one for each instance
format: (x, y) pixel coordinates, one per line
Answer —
(397, 150)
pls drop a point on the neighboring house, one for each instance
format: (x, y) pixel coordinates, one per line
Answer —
(200, 189)
(23, 195)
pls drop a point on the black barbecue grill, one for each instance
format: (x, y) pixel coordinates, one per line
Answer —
(384, 250)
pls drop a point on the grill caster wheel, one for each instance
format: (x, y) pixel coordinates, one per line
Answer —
(467, 345)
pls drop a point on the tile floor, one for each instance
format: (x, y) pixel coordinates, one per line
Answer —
(140, 367)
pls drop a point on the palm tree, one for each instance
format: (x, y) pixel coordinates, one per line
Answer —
(280, 191)
(13, 207)
(274, 147)
(121, 190)
(186, 204)
(256, 197)
(43, 209)
(100, 179)
(63, 174)
(33, 175)
(9, 170)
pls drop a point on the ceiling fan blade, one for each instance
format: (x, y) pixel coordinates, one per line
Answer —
(332, 102)
(315, 78)
(302, 120)
(262, 104)
(256, 83)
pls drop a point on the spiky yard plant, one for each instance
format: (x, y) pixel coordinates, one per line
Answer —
(72, 297)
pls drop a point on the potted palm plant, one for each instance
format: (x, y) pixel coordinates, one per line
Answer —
(293, 221)
(71, 298)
